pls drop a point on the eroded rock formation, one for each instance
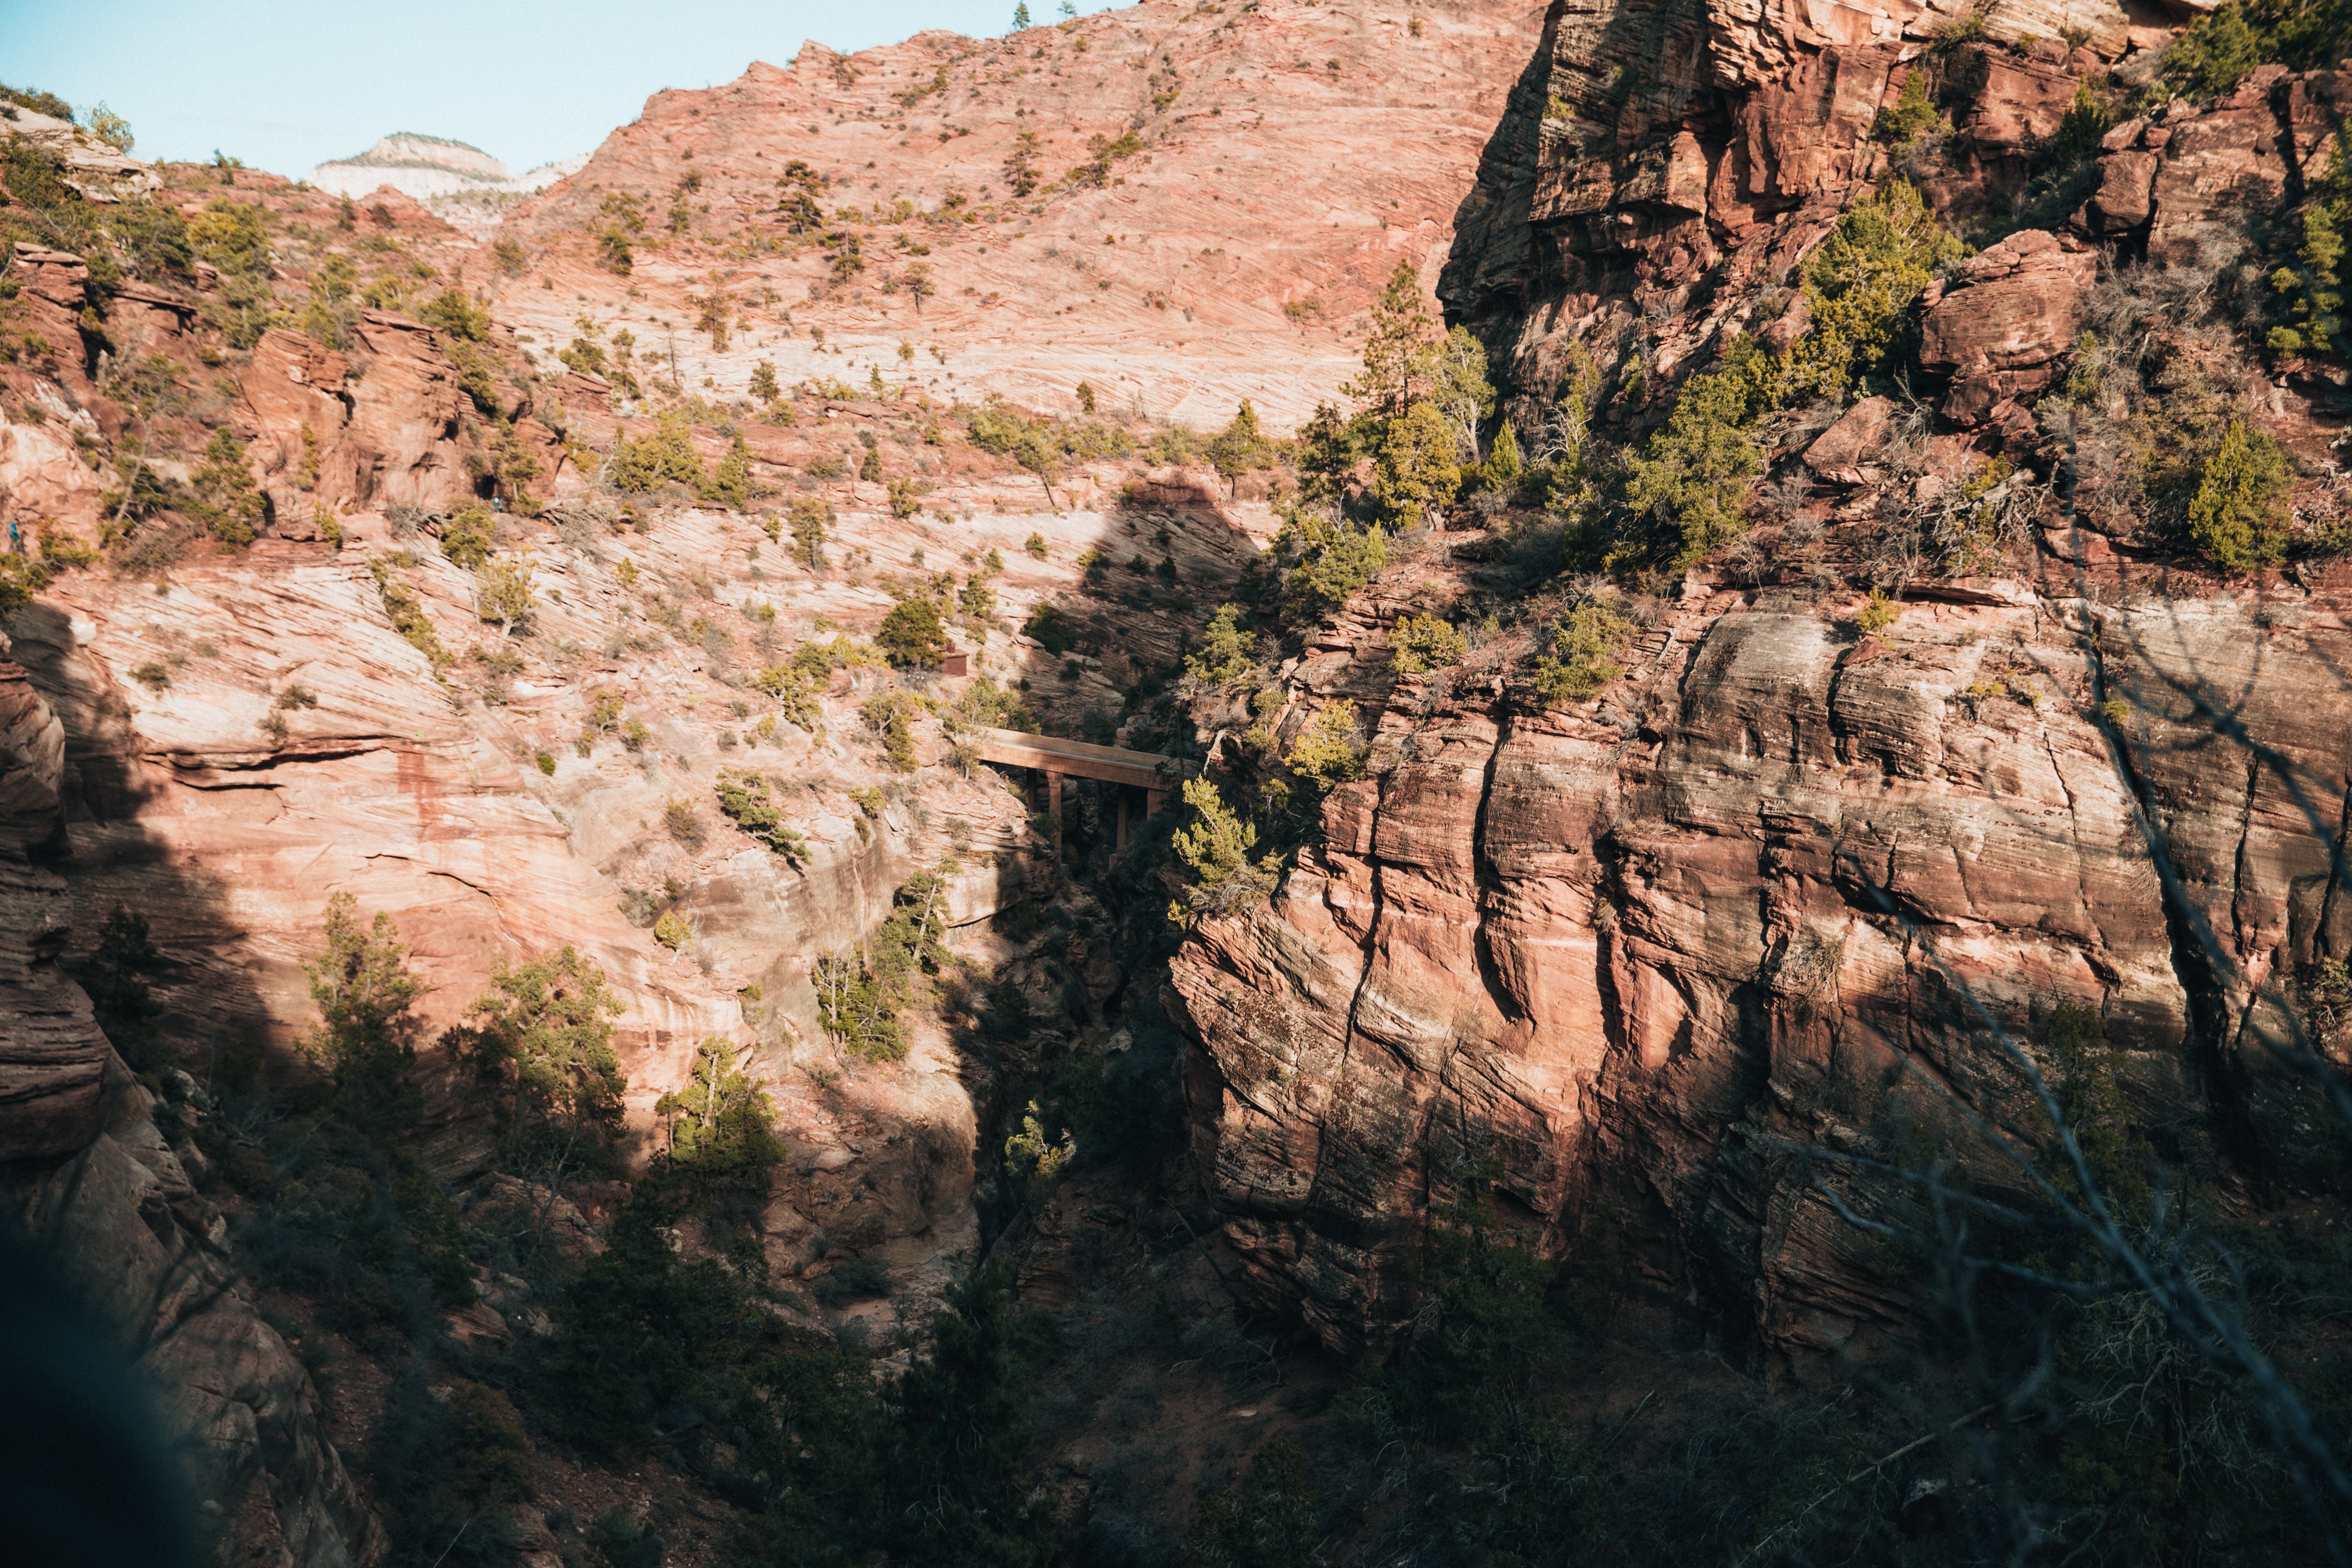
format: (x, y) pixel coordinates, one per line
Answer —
(1766, 902)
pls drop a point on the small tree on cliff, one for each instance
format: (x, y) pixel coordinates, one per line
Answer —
(545, 1029)
(912, 636)
(1217, 846)
(1402, 330)
(365, 1036)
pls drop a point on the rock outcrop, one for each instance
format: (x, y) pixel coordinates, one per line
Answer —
(1999, 326)
(1773, 901)
(1779, 910)
(88, 1178)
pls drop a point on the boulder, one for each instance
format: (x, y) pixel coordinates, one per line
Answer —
(2217, 169)
(2010, 313)
(1842, 453)
(2126, 196)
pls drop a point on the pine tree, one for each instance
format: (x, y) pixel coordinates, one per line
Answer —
(1020, 16)
(1402, 330)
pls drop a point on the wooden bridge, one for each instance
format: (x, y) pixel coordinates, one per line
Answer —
(1154, 774)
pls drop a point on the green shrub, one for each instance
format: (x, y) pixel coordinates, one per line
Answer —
(666, 454)
(1860, 284)
(1216, 845)
(546, 762)
(1583, 655)
(623, 1542)
(466, 538)
(225, 498)
(721, 1126)
(1241, 446)
(1687, 490)
(1914, 113)
(1504, 464)
(1037, 545)
(796, 691)
(365, 1037)
(451, 312)
(859, 995)
(892, 715)
(809, 516)
(743, 801)
(984, 703)
(730, 487)
(41, 102)
(502, 590)
(2314, 288)
(1226, 651)
(912, 634)
(1419, 642)
(406, 611)
(2085, 122)
(1336, 559)
(1327, 753)
(2213, 53)
(1878, 613)
(672, 930)
(2239, 518)
(544, 1031)
(1416, 472)
(1050, 629)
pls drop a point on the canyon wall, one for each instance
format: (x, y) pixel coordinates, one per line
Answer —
(1769, 917)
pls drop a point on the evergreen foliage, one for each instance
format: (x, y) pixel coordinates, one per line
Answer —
(544, 1031)
(1216, 845)
(665, 455)
(912, 636)
(1335, 559)
(223, 494)
(466, 538)
(1418, 471)
(743, 801)
(365, 1037)
(1401, 333)
(1226, 651)
(2238, 516)
(1419, 642)
(1583, 654)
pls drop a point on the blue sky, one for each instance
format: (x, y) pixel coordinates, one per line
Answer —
(287, 84)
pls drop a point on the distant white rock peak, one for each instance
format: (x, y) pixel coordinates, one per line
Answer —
(457, 182)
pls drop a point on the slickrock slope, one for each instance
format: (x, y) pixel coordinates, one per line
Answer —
(1770, 892)
(1282, 159)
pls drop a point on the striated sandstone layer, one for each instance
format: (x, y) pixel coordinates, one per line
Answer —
(87, 1178)
(1766, 904)
(1285, 158)
(1773, 897)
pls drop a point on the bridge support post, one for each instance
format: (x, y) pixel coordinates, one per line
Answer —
(1054, 807)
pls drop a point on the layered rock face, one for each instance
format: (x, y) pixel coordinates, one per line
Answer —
(1779, 897)
(1645, 213)
(87, 1177)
